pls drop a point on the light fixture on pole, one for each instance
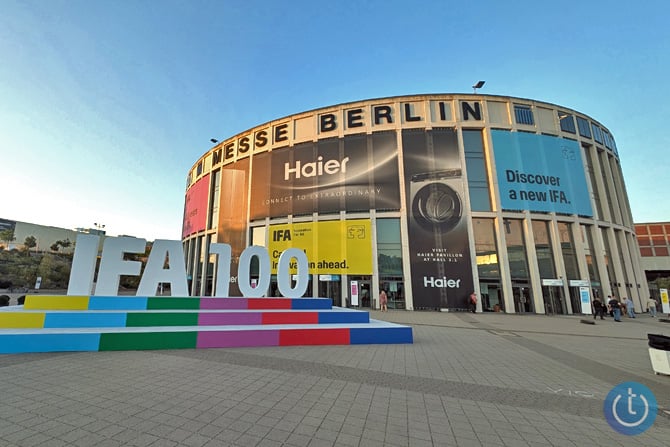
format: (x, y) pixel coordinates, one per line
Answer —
(479, 84)
(99, 228)
(214, 140)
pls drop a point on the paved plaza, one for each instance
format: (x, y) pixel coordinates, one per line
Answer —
(468, 380)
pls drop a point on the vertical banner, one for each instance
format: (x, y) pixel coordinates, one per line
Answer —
(438, 235)
(354, 293)
(585, 296)
(232, 219)
(665, 303)
(195, 207)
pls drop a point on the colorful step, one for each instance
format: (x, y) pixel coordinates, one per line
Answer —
(115, 339)
(81, 319)
(94, 323)
(69, 302)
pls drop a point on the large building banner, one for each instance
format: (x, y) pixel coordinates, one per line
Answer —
(438, 234)
(540, 173)
(332, 247)
(354, 173)
(195, 208)
(232, 213)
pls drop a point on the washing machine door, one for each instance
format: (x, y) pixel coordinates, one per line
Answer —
(436, 206)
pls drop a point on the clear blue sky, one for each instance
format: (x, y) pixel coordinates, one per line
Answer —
(105, 105)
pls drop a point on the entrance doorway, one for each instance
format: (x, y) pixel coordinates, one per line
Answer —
(491, 297)
(329, 287)
(523, 302)
(365, 300)
(554, 301)
(576, 300)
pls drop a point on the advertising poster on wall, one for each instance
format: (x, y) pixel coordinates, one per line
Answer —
(232, 216)
(438, 234)
(540, 173)
(585, 299)
(195, 208)
(332, 247)
(665, 302)
(354, 173)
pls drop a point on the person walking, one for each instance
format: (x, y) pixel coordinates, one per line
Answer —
(473, 302)
(615, 308)
(651, 305)
(598, 309)
(607, 303)
(630, 307)
(383, 301)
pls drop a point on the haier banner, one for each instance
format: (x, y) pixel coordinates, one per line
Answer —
(438, 233)
(354, 173)
(540, 173)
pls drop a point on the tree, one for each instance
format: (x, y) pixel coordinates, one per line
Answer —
(7, 236)
(30, 242)
(65, 243)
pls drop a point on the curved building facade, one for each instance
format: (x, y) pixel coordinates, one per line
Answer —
(428, 197)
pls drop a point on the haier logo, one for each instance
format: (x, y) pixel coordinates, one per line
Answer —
(316, 168)
(441, 282)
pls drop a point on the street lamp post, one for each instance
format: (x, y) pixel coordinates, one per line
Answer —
(99, 228)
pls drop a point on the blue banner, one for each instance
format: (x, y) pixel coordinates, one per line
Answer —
(540, 173)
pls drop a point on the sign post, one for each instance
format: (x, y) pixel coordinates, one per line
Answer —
(354, 293)
(585, 297)
(665, 303)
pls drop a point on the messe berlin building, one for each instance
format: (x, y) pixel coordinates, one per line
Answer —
(428, 197)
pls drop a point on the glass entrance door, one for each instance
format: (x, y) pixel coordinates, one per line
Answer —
(365, 300)
(330, 289)
(576, 300)
(523, 302)
(554, 301)
(491, 297)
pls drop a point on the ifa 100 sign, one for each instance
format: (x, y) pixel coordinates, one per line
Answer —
(166, 265)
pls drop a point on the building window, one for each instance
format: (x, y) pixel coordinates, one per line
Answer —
(516, 249)
(215, 194)
(592, 263)
(661, 251)
(389, 261)
(609, 141)
(567, 122)
(523, 115)
(584, 128)
(199, 169)
(646, 252)
(488, 265)
(485, 248)
(592, 179)
(597, 133)
(475, 163)
(568, 250)
(545, 259)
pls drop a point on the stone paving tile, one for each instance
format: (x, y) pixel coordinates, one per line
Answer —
(469, 380)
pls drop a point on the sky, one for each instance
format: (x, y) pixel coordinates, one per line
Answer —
(106, 105)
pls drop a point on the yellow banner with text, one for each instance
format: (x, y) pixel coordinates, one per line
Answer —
(332, 247)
